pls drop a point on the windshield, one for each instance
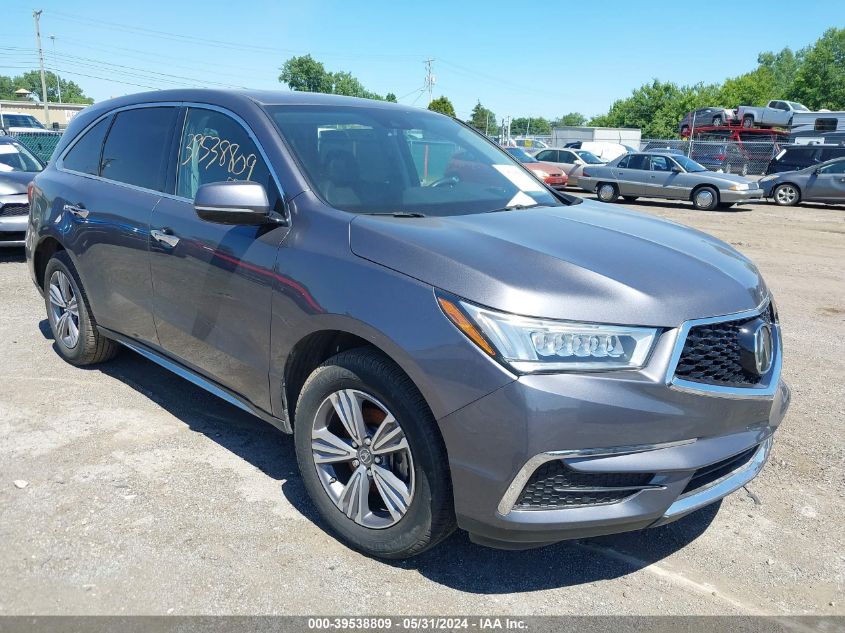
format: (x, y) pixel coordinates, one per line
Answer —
(19, 120)
(797, 106)
(589, 157)
(387, 160)
(520, 155)
(688, 163)
(15, 157)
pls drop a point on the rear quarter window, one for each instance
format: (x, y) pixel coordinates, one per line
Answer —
(84, 155)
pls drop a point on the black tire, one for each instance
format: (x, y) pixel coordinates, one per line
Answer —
(613, 190)
(717, 120)
(786, 195)
(630, 198)
(748, 122)
(711, 202)
(91, 346)
(429, 517)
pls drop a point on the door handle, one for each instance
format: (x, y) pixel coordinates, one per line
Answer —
(165, 236)
(77, 210)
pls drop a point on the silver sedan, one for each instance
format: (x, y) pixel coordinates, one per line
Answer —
(670, 176)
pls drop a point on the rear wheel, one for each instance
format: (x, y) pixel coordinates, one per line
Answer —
(748, 122)
(717, 120)
(74, 328)
(786, 195)
(607, 192)
(371, 456)
(743, 171)
(705, 198)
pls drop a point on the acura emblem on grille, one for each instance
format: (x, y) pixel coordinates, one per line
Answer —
(756, 347)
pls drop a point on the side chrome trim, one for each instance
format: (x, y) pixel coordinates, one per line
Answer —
(766, 389)
(198, 380)
(512, 493)
(721, 487)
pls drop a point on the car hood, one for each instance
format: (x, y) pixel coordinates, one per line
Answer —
(12, 182)
(733, 178)
(583, 262)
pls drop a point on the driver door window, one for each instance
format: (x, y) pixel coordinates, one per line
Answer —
(216, 148)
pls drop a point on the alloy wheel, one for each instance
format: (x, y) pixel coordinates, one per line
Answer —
(363, 459)
(64, 309)
(786, 194)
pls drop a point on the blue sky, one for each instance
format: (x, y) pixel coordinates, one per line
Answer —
(518, 58)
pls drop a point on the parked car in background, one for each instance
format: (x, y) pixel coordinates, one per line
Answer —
(550, 174)
(726, 157)
(18, 166)
(662, 175)
(570, 161)
(521, 363)
(530, 143)
(817, 183)
(604, 150)
(795, 157)
(776, 114)
(19, 122)
(704, 117)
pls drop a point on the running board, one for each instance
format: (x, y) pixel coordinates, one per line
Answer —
(200, 381)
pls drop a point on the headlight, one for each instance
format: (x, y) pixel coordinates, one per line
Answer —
(740, 187)
(531, 345)
(540, 174)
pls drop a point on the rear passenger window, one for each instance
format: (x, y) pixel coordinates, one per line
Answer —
(136, 149)
(216, 148)
(84, 156)
(637, 161)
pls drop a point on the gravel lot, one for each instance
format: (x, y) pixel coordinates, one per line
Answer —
(145, 495)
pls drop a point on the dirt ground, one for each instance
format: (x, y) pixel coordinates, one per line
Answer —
(137, 493)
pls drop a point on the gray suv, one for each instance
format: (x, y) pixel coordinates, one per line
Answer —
(450, 342)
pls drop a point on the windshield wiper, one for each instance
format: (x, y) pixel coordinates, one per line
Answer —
(400, 214)
(519, 207)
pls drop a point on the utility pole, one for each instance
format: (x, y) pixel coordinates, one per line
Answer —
(429, 78)
(56, 72)
(36, 15)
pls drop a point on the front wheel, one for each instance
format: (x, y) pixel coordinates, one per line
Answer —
(786, 195)
(371, 456)
(748, 122)
(717, 121)
(705, 199)
(607, 192)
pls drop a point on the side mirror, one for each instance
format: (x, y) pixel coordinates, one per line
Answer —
(233, 202)
(676, 170)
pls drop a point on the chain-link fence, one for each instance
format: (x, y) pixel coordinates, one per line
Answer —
(730, 156)
(41, 144)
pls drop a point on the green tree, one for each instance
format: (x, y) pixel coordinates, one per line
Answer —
(306, 74)
(820, 78)
(71, 91)
(755, 88)
(530, 125)
(390, 97)
(573, 118)
(443, 106)
(483, 119)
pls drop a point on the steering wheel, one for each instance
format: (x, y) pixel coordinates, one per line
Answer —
(446, 181)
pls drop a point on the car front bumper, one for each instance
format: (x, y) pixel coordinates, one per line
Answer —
(607, 425)
(740, 197)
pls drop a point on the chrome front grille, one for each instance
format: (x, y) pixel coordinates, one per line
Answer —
(709, 353)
